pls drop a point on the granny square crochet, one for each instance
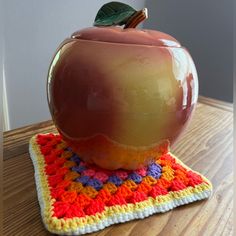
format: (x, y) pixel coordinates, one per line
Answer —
(77, 198)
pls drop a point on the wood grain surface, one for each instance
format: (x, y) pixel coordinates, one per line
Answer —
(206, 146)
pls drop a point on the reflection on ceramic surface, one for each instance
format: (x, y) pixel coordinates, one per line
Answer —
(118, 105)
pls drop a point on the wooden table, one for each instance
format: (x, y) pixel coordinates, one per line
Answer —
(206, 147)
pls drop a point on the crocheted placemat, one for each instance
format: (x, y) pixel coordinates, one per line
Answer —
(77, 198)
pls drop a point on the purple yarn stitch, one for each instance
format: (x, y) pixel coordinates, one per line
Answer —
(83, 179)
(154, 167)
(78, 169)
(135, 177)
(154, 173)
(115, 180)
(76, 159)
(95, 183)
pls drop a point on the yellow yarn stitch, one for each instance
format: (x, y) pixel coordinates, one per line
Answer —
(71, 175)
(167, 173)
(149, 180)
(69, 164)
(61, 145)
(90, 191)
(110, 187)
(76, 186)
(67, 154)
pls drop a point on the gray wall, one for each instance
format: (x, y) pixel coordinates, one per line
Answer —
(205, 27)
(33, 30)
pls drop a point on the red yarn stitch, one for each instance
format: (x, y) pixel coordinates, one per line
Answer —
(45, 150)
(49, 159)
(177, 166)
(57, 192)
(69, 196)
(52, 143)
(83, 200)
(74, 211)
(194, 179)
(180, 175)
(167, 157)
(163, 183)
(104, 195)
(177, 185)
(64, 184)
(51, 169)
(60, 161)
(48, 136)
(144, 187)
(53, 180)
(41, 138)
(42, 142)
(57, 152)
(116, 199)
(157, 190)
(94, 207)
(58, 138)
(124, 191)
(62, 171)
(138, 197)
(60, 209)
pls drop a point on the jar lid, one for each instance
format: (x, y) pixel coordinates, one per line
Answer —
(127, 36)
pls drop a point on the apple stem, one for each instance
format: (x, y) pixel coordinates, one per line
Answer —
(137, 18)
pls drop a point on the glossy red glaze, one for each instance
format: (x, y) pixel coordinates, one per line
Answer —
(127, 36)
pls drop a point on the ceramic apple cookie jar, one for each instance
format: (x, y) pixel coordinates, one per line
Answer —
(120, 96)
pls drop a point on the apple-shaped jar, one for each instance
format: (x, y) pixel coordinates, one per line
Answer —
(121, 96)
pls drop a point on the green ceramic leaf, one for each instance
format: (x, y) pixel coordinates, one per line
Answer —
(113, 13)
